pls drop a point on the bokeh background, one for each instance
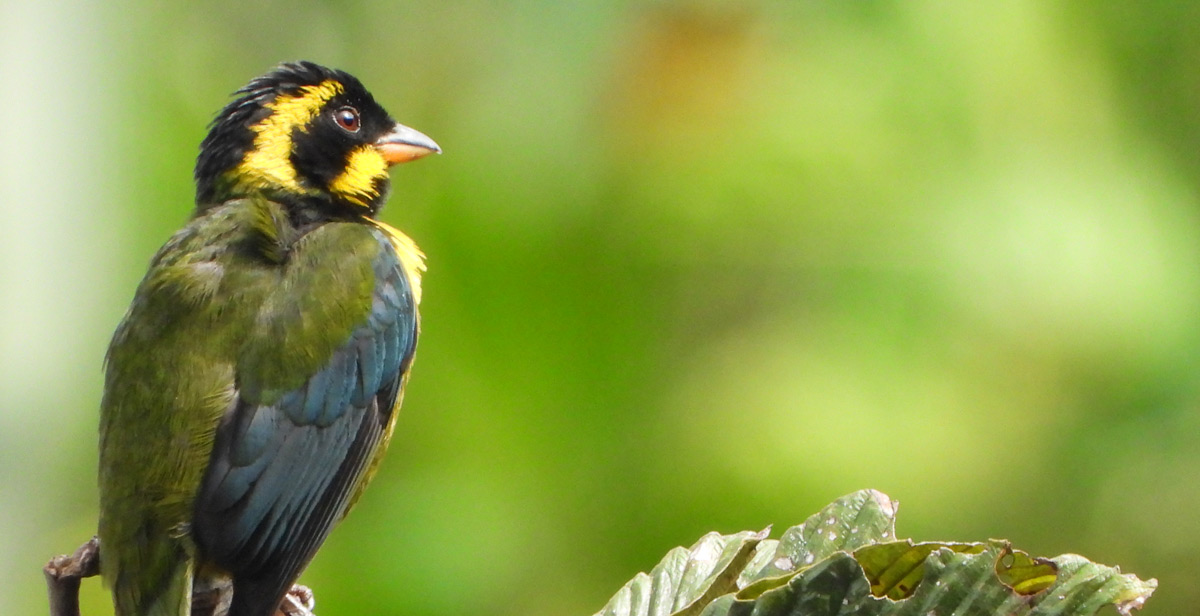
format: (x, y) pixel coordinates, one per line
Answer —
(692, 266)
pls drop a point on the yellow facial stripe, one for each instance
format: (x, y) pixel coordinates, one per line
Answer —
(268, 163)
(411, 257)
(356, 184)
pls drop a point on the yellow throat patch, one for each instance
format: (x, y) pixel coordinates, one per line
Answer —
(356, 184)
(268, 163)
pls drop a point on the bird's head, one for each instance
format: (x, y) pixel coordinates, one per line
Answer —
(306, 136)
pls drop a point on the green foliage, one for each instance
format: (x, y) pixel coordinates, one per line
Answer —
(845, 560)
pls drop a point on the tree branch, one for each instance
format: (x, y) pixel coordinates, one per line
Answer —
(64, 572)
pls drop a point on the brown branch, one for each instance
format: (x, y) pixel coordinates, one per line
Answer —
(64, 572)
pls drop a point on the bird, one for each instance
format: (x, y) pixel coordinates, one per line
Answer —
(252, 386)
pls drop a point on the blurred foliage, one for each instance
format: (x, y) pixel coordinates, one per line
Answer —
(693, 266)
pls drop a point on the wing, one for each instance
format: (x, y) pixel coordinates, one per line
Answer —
(285, 463)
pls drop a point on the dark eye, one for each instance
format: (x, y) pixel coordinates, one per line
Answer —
(347, 118)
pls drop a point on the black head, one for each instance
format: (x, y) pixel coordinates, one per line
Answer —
(307, 136)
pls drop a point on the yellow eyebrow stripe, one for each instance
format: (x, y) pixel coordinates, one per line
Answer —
(356, 184)
(268, 163)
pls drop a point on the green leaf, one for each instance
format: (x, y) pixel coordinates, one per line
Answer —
(844, 560)
(1025, 574)
(1084, 587)
(850, 522)
(686, 580)
(894, 569)
(958, 579)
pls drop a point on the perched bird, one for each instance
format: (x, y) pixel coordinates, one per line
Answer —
(252, 387)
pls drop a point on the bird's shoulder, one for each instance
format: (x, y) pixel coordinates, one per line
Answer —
(243, 274)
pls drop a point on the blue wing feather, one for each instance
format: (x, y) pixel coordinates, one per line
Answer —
(281, 472)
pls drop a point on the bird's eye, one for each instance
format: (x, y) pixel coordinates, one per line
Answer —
(347, 118)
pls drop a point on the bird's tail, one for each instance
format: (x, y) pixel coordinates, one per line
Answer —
(257, 597)
(166, 592)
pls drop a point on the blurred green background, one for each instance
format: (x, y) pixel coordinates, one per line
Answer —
(692, 266)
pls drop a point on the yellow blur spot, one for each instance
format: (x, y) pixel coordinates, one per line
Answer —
(268, 164)
(356, 184)
(411, 257)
